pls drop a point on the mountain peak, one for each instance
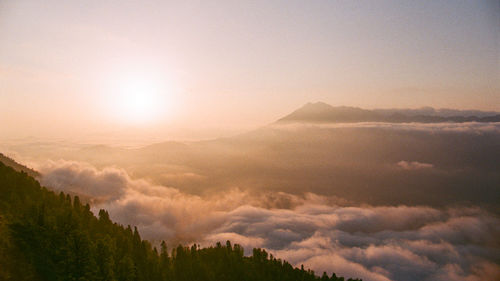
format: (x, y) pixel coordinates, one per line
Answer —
(323, 112)
(316, 105)
(320, 112)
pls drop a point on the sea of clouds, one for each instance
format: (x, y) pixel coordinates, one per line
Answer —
(323, 233)
(464, 127)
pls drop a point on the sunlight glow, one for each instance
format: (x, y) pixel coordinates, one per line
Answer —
(139, 98)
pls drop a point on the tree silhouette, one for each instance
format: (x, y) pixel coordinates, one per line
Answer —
(44, 236)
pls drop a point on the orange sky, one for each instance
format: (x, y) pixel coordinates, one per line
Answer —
(176, 70)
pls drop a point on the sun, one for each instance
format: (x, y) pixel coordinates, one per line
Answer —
(138, 98)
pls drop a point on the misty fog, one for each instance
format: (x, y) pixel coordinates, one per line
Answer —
(378, 201)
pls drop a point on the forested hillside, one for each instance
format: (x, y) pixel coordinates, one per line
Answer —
(18, 167)
(44, 236)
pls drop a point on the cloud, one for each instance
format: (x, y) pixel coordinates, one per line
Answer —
(376, 243)
(413, 165)
(107, 184)
(466, 127)
(370, 242)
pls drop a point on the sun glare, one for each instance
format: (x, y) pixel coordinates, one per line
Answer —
(138, 99)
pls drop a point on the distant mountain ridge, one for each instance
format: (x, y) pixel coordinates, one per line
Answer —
(321, 112)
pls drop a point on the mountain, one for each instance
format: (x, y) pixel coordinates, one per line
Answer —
(452, 164)
(44, 236)
(321, 112)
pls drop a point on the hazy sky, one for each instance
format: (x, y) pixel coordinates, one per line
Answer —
(168, 69)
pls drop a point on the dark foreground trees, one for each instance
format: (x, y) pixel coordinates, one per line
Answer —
(44, 236)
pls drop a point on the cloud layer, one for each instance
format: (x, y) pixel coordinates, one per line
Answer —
(323, 233)
(413, 165)
(372, 163)
(465, 127)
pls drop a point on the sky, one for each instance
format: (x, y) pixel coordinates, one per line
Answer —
(200, 69)
(131, 73)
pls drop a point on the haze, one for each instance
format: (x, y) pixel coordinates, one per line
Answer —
(360, 138)
(225, 67)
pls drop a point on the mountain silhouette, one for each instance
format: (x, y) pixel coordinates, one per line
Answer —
(321, 112)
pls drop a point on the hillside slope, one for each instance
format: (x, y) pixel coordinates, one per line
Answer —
(44, 236)
(18, 167)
